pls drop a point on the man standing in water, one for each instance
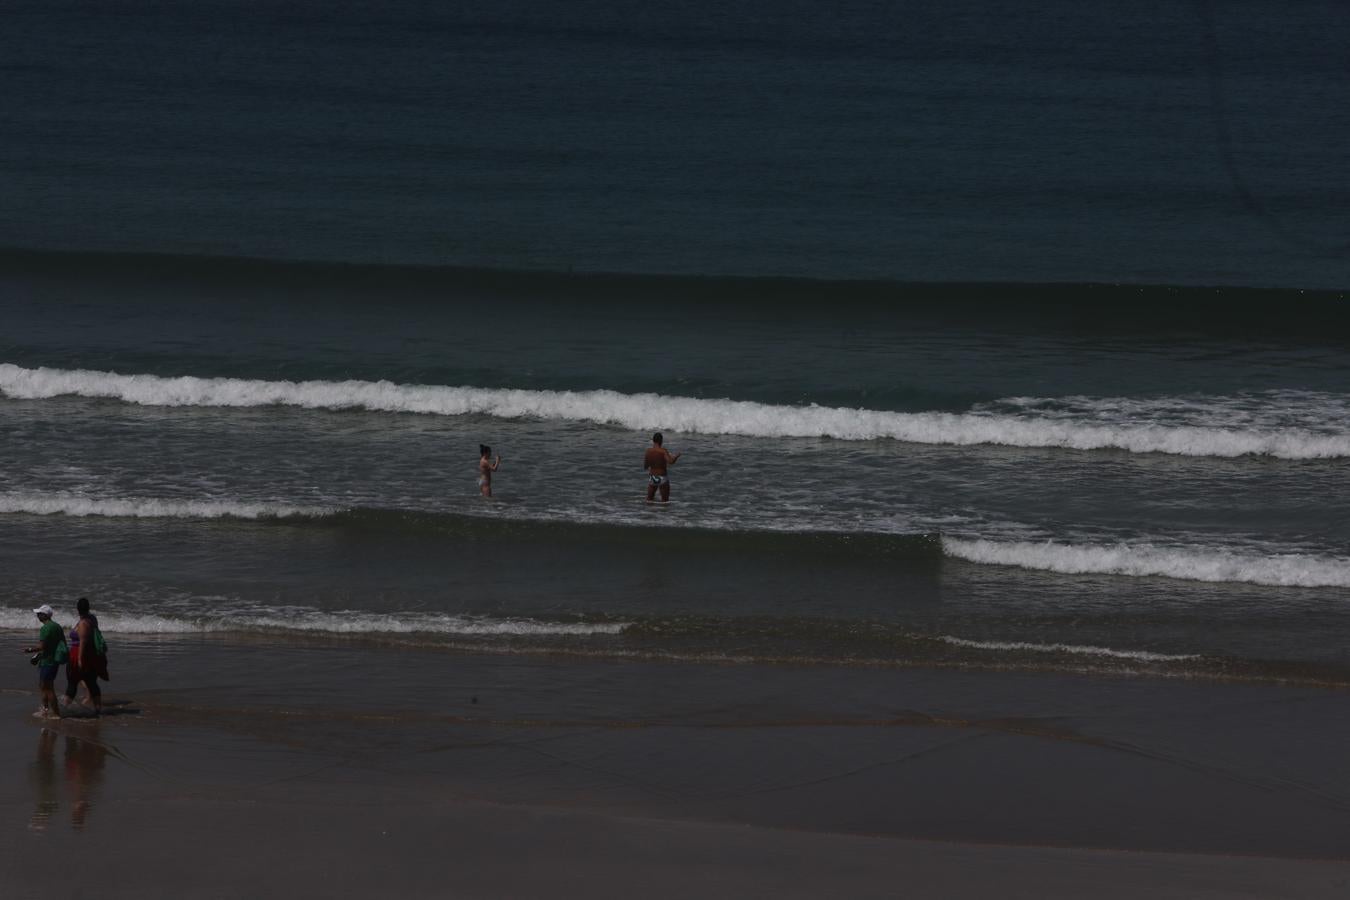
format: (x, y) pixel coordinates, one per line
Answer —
(50, 652)
(656, 462)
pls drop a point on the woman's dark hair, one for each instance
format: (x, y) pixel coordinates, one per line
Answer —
(82, 606)
(484, 450)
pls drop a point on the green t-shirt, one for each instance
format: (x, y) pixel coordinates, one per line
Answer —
(51, 637)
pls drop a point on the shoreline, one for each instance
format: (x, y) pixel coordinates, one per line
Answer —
(987, 758)
(228, 767)
(1320, 675)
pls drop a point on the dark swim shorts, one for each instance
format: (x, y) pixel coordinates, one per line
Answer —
(47, 674)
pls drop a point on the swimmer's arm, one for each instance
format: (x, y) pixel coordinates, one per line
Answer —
(673, 457)
(497, 463)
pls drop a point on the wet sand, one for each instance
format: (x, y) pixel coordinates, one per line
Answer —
(355, 770)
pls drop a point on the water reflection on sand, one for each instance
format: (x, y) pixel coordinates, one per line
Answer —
(77, 779)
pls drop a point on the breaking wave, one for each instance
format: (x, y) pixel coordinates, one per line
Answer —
(1138, 559)
(1021, 426)
(1191, 564)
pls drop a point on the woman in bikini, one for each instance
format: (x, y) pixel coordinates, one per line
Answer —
(486, 467)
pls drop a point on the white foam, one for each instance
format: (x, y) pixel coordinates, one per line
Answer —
(343, 622)
(49, 504)
(349, 623)
(1192, 564)
(1317, 412)
(1076, 649)
(686, 414)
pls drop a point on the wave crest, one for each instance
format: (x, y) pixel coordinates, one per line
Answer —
(1190, 564)
(643, 412)
(1137, 559)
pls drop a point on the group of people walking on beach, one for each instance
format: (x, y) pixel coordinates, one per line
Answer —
(82, 651)
(656, 463)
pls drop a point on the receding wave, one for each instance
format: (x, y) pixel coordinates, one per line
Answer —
(1191, 564)
(868, 636)
(695, 639)
(344, 622)
(1073, 649)
(48, 504)
(683, 414)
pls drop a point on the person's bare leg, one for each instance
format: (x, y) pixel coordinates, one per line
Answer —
(651, 491)
(665, 492)
(49, 698)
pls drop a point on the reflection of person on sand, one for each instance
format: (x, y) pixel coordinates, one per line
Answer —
(656, 463)
(486, 467)
(84, 761)
(88, 658)
(49, 654)
(42, 775)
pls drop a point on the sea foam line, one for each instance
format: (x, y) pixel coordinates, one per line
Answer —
(1282, 570)
(145, 508)
(1076, 649)
(314, 622)
(683, 414)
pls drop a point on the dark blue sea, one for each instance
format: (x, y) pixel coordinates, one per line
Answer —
(992, 335)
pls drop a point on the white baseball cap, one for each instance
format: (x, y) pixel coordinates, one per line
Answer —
(45, 610)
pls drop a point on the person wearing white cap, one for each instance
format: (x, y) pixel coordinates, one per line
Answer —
(49, 653)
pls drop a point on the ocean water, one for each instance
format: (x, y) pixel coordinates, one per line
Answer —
(990, 340)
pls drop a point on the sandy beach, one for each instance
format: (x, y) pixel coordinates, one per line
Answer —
(503, 776)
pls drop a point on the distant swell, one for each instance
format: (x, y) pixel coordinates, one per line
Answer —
(1192, 564)
(684, 414)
